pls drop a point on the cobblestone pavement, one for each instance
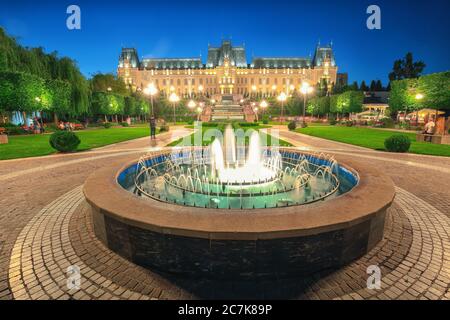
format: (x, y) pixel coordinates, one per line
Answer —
(46, 227)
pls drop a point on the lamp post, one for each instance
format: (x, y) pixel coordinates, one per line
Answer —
(305, 89)
(38, 100)
(263, 106)
(191, 104)
(254, 90)
(274, 90)
(255, 110)
(282, 98)
(199, 111)
(151, 91)
(200, 107)
(200, 90)
(173, 98)
(418, 97)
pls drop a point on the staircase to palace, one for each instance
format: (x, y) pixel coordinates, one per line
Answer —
(227, 109)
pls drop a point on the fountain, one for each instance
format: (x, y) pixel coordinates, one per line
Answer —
(236, 211)
(229, 176)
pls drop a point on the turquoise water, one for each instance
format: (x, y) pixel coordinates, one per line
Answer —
(192, 184)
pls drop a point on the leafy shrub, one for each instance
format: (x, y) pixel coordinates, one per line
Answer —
(349, 123)
(107, 125)
(15, 131)
(8, 125)
(190, 122)
(210, 124)
(292, 125)
(304, 125)
(248, 124)
(265, 121)
(124, 124)
(164, 128)
(64, 141)
(333, 122)
(387, 123)
(397, 143)
(51, 127)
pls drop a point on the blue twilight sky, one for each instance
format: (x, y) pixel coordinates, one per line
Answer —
(178, 28)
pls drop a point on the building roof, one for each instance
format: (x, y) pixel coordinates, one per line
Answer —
(381, 97)
(172, 63)
(130, 56)
(322, 54)
(281, 63)
(235, 55)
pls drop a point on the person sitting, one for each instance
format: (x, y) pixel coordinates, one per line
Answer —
(61, 125)
(36, 126)
(66, 126)
(428, 130)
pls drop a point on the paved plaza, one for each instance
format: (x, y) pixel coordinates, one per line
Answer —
(45, 227)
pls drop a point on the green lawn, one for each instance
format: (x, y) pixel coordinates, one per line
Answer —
(38, 145)
(189, 140)
(372, 138)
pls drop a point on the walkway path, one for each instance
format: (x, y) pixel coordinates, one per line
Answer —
(28, 185)
(45, 227)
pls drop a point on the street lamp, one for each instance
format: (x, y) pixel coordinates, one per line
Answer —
(418, 97)
(305, 89)
(199, 112)
(174, 99)
(263, 104)
(38, 100)
(151, 91)
(274, 89)
(254, 89)
(255, 110)
(200, 89)
(282, 98)
(191, 104)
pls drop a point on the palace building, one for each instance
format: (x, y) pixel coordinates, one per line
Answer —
(227, 71)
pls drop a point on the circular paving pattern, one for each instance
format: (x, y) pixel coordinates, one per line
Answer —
(414, 258)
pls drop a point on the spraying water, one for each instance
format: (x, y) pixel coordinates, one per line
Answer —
(224, 166)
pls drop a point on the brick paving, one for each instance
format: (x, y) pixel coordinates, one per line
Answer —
(46, 227)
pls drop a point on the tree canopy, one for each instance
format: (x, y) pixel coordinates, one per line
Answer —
(406, 68)
(434, 90)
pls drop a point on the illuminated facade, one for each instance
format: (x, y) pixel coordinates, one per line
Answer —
(227, 71)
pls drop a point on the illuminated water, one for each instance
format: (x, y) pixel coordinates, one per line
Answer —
(227, 176)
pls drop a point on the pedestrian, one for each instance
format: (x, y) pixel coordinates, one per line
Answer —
(152, 127)
(36, 126)
(428, 130)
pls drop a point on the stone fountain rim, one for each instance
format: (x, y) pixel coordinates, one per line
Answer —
(373, 194)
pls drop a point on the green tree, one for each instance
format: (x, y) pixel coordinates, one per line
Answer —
(406, 68)
(109, 83)
(23, 92)
(363, 86)
(60, 92)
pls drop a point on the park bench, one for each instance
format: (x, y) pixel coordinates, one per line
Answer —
(78, 126)
(433, 138)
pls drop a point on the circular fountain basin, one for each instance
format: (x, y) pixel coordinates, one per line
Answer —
(284, 241)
